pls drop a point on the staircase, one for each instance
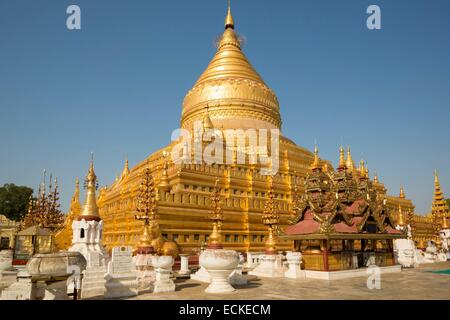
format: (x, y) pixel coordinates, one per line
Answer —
(93, 283)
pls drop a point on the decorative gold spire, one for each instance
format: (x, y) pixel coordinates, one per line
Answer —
(75, 205)
(125, 171)
(207, 123)
(362, 169)
(437, 188)
(402, 193)
(271, 219)
(400, 219)
(217, 218)
(316, 163)
(349, 162)
(238, 96)
(146, 206)
(90, 208)
(375, 178)
(439, 207)
(229, 22)
(164, 182)
(341, 158)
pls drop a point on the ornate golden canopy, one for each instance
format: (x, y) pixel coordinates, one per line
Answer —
(231, 91)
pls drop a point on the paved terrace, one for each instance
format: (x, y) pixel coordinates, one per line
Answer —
(409, 284)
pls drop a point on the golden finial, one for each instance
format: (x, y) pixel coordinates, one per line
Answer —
(362, 169)
(375, 178)
(400, 220)
(271, 219)
(217, 218)
(146, 206)
(164, 182)
(76, 194)
(316, 164)
(207, 123)
(402, 193)
(75, 206)
(349, 162)
(229, 22)
(126, 170)
(90, 208)
(341, 158)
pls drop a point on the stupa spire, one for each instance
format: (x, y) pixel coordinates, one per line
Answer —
(402, 193)
(207, 123)
(362, 169)
(375, 178)
(349, 162)
(229, 22)
(341, 158)
(126, 170)
(75, 206)
(316, 163)
(90, 208)
(437, 187)
(439, 207)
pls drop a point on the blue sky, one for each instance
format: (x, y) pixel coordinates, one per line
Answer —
(116, 86)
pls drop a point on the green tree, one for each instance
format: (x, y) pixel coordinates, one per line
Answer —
(14, 201)
(448, 202)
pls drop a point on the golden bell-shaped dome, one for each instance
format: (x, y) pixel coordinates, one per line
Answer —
(232, 91)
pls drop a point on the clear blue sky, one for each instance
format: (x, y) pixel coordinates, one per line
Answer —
(116, 86)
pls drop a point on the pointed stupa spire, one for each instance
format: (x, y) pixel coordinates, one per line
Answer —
(349, 162)
(402, 193)
(375, 178)
(90, 208)
(437, 187)
(229, 22)
(341, 158)
(75, 205)
(362, 169)
(241, 98)
(439, 207)
(207, 123)
(164, 182)
(126, 170)
(316, 163)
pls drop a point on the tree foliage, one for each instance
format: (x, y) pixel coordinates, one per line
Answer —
(14, 201)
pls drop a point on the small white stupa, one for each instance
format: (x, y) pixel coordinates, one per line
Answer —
(87, 230)
(88, 226)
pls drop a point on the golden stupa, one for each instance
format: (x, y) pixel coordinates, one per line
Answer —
(230, 94)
